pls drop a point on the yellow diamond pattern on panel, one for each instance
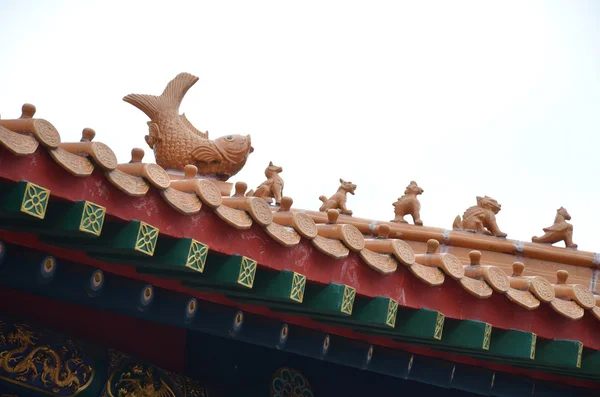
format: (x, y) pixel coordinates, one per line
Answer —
(392, 313)
(197, 256)
(487, 337)
(439, 326)
(247, 272)
(35, 200)
(92, 218)
(146, 239)
(348, 299)
(298, 284)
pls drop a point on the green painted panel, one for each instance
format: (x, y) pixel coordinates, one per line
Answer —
(558, 353)
(467, 334)
(513, 344)
(24, 199)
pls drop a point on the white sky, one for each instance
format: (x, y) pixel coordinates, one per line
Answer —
(466, 97)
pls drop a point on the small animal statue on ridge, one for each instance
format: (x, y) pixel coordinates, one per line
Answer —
(409, 205)
(561, 230)
(177, 143)
(481, 218)
(272, 188)
(338, 200)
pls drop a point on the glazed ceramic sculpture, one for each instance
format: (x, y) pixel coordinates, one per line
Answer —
(561, 230)
(338, 200)
(481, 218)
(409, 205)
(272, 188)
(177, 143)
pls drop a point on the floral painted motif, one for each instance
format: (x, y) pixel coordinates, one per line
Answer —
(92, 218)
(288, 382)
(35, 200)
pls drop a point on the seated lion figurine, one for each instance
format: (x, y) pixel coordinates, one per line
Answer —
(409, 205)
(481, 218)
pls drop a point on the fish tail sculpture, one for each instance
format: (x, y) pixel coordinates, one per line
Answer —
(177, 143)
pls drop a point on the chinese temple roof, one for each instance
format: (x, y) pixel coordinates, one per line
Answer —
(182, 224)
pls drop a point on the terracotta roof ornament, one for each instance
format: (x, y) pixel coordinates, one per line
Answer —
(288, 227)
(272, 188)
(44, 132)
(480, 218)
(409, 205)
(529, 291)
(257, 208)
(431, 266)
(561, 230)
(20, 143)
(346, 237)
(571, 299)
(302, 223)
(378, 250)
(338, 200)
(177, 143)
(482, 280)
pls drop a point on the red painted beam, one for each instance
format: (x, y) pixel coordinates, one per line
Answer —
(449, 298)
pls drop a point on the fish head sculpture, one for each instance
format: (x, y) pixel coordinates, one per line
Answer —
(234, 150)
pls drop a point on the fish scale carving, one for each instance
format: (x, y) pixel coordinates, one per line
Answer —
(177, 143)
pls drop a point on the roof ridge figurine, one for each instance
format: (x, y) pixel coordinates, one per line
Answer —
(409, 204)
(338, 200)
(480, 218)
(177, 143)
(561, 230)
(272, 188)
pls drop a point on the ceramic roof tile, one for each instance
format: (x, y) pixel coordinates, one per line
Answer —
(332, 230)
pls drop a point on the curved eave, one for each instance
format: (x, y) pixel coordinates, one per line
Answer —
(205, 226)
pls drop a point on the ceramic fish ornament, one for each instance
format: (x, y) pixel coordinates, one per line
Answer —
(177, 143)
